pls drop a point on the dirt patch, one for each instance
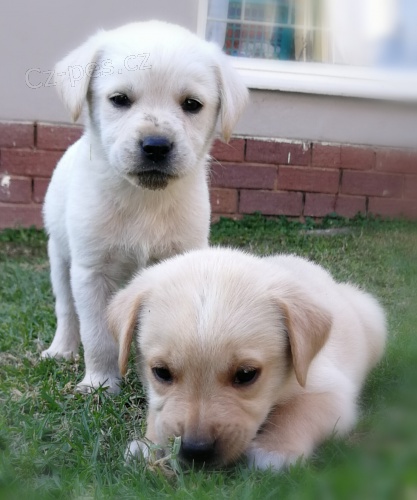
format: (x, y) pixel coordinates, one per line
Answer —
(334, 231)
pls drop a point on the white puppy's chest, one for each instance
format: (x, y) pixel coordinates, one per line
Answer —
(130, 239)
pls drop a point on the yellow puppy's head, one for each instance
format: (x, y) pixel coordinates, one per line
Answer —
(219, 339)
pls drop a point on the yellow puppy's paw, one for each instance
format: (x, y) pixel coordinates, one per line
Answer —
(259, 458)
(154, 457)
(138, 450)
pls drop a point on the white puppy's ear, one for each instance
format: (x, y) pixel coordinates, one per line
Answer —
(122, 317)
(233, 95)
(73, 74)
(308, 326)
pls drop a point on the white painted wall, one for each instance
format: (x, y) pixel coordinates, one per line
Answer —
(330, 119)
(37, 34)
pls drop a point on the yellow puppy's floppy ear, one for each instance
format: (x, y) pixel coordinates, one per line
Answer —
(122, 316)
(74, 72)
(308, 326)
(233, 94)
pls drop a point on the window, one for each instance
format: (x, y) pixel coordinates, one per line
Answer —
(288, 30)
(363, 48)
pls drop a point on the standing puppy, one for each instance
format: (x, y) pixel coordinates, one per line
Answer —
(241, 355)
(133, 189)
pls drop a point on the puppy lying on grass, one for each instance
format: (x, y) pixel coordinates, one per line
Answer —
(241, 355)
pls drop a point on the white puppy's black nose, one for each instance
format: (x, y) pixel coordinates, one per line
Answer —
(197, 451)
(156, 148)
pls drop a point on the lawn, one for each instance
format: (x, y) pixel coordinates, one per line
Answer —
(58, 444)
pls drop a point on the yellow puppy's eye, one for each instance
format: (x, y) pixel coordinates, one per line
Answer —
(162, 374)
(191, 105)
(245, 376)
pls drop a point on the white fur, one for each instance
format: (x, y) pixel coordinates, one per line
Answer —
(103, 225)
(258, 458)
(137, 449)
(206, 314)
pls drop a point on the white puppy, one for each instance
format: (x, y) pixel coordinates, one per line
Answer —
(133, 189)
(241, 355)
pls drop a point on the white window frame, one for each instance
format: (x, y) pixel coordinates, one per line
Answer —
(319, 78)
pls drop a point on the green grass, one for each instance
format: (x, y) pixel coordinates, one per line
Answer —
(58, 444)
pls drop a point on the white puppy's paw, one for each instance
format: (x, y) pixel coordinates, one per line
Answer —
(138, 450)
(92, 382)
(258, 458)
(59, 354)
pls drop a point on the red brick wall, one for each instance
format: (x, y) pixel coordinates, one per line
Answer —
(28, 154)
(248, 175)
(305, 179)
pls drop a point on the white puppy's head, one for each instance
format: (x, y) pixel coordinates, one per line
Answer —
(219, 339)
(153, 92)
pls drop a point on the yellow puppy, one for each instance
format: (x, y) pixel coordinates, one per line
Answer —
(241, 355)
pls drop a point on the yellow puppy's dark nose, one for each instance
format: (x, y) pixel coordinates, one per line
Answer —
(198, 452)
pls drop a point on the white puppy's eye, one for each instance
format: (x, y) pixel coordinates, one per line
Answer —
(191, 105)
(245, 376)
(162, 374)
(120, 100)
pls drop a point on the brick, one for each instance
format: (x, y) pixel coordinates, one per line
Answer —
(243, 175)
(357, 158)
(396, 161)
(224, 201)
(234, 150)
(29, 162)
(349, 206)
(393, 207)
(410, 187)
(326, 156)
(287, 153)
(372, 184)
(57, 137)
(16, 215)
(270, 202)
(15, 190)
(319, 205)
(17, 135)
(39, 189)
(308, 179)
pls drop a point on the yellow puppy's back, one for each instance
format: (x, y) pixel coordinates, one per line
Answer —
(372, 317)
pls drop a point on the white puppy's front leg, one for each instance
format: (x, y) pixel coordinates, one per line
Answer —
(92, 290)
(67, 336)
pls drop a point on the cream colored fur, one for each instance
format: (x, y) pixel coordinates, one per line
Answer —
(103, 223)
(207, 314)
